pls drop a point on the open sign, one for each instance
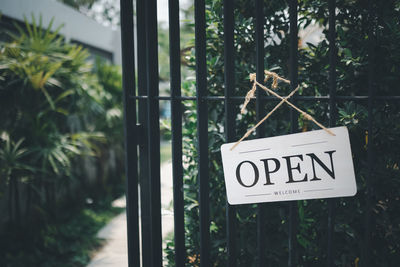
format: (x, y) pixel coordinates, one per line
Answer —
(291, 167)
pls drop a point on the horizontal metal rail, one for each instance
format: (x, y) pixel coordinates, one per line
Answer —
(241, 98)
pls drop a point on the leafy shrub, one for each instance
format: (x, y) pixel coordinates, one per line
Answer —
(42, 79)
(59, 114)
(67, 241)
(355, 57)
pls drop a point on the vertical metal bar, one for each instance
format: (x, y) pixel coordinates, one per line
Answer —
(202, 130)
(366, 261)
(293, 116)
(259, 61)
(176, 128)
(332, 62)
(128, 79)
(292, 234)
(153, 132)
(261, 208)
(229, 73)
(143, 149)
(332, 116)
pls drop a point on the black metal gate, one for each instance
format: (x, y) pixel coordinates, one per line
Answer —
(143, 137)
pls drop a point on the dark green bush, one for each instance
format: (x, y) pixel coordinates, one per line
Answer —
(59, 116)
(66, 241)
(355, 57)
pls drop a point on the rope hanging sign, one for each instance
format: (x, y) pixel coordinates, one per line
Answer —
(275, 79)
(305, 165)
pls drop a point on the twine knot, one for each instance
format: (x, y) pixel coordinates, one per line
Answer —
(307, 116)
(275, 79)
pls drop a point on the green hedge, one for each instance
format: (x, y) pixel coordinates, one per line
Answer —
(61, 134)
(353, 26)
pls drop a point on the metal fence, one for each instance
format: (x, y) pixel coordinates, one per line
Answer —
(143, 137)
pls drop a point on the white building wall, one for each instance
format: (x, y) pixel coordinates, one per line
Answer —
(77, 26)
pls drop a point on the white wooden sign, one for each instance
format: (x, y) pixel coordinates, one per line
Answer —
(298, 166)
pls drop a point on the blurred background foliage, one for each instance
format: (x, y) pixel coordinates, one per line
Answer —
(61, 141)
(363, 41)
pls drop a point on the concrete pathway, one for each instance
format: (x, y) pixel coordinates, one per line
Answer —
(114, 253)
